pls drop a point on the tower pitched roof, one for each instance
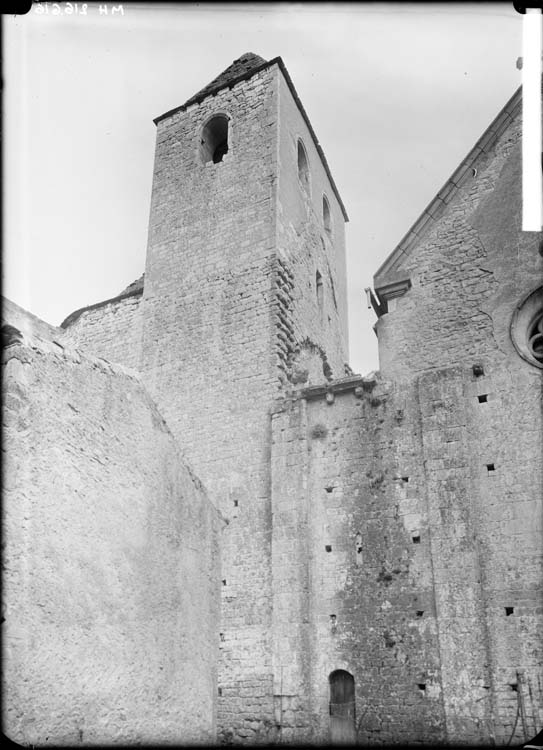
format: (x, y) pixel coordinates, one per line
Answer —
(239, 68)
(243, 68)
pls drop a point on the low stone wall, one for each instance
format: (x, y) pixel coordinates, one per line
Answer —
(111, 329)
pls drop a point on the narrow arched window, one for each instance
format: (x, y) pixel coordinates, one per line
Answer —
(319, 288)
(303, 166)
(214, 139)
(326, 220)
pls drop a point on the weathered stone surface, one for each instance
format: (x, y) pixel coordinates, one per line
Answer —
(387, 526)
(111, 562)
(112, 331)
(230, 311)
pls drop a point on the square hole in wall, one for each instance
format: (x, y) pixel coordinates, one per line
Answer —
(420, 612)
(328, 547)
(416, 539)
(236, 503)
(478, 370)
(509, 611)
(483, 398)
(405, 479)
(421, 686)
(490, 468)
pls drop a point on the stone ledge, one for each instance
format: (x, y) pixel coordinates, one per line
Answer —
(342, 385)
(335, 386)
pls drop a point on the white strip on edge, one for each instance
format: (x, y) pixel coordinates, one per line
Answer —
(532, 193)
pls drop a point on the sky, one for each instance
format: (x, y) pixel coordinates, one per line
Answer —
(397, 94)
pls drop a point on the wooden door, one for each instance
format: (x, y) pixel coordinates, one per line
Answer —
(342, 708)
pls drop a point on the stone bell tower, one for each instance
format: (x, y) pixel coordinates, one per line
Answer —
(245, 296)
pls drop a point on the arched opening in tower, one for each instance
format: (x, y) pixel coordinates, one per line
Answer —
(214, 140)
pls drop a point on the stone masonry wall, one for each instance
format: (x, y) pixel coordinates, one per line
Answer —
(416, 569)
(112, 331)
(311, 319)
(111, 562)
(356, 593)
(468, 273)
(208, 359)
(225, 319)
(484, 486)
(449, 337)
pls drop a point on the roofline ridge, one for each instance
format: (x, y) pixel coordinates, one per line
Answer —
(197, 98)
(450, 187)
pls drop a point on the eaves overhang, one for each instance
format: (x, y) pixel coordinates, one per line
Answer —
(244, 77)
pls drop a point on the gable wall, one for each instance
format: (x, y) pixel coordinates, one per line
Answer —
(470, 270)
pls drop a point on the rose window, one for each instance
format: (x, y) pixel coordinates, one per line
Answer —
(535, 338)
(527, 328)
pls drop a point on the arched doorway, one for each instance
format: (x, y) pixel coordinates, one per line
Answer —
(342, 707)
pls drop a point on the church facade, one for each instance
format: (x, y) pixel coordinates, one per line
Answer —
(215, 531)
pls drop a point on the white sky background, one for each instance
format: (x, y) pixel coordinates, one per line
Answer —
(397, 95)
